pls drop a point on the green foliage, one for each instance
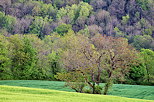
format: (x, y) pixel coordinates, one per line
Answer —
(144, 4)
(137, 74)
(43, 68)
(125, 19)
(61, 13)
(142, 41)
(27, 57)
(75, 80)
(147, 31)
(86, 1)
(23, 57)
(146, 28)
(75, 12)
(98, 89)
(85, 31)
(31, 58)
(38, 25)
(43, 10)
(107, 86)
(5, 62)
(17, 55)
(2, 17)
(54, 63)
(148, 56)
(58, 3)
(84, 9)
(7, 21)
(63, 29)
(119, 33)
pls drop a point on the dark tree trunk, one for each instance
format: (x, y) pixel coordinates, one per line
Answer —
(93, 87)
(107, 86)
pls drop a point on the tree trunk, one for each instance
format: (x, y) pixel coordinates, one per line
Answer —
(107, 86)
(93, 87)
(148, 76)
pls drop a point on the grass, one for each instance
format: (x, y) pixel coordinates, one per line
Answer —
(24, 94)
(56, 85)
(130, 91)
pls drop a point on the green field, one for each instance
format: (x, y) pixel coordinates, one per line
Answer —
(130, 91)
(23, 94)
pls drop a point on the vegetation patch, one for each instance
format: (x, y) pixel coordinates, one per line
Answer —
(12, 93)
(130, 91)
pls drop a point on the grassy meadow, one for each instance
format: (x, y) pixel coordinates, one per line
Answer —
(130, 91)
(23, 94)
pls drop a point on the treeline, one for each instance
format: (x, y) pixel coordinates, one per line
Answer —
(120, 18)
(77, 59)
(27, 57)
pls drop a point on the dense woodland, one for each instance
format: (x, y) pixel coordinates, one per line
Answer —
(82, 42)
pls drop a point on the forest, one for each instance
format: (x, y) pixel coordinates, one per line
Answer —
(81, 42)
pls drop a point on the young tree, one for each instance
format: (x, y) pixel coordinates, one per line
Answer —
(5, 61)
(148, 56)
(23, 57)
(38, 26)
(75, 80)
(43, 68)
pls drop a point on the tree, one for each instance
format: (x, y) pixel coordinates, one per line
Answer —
(7, 22)
(43, 68)
(75, 80)
(148, 56)
(125, 19)
(22, 25)
(54, 63)
(23, 57)
(98, 4)
(63, 29)
(43, 10)
(118, 57)
(144, 4)
(5, 61)
(80, 57)
(112, 55)
(38, 26)
(144, 41)
(75, 12)
(117, 8)
(137, 74)
(119, 33)
(2, 15)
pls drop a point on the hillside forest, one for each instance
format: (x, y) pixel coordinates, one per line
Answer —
(81, 42)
